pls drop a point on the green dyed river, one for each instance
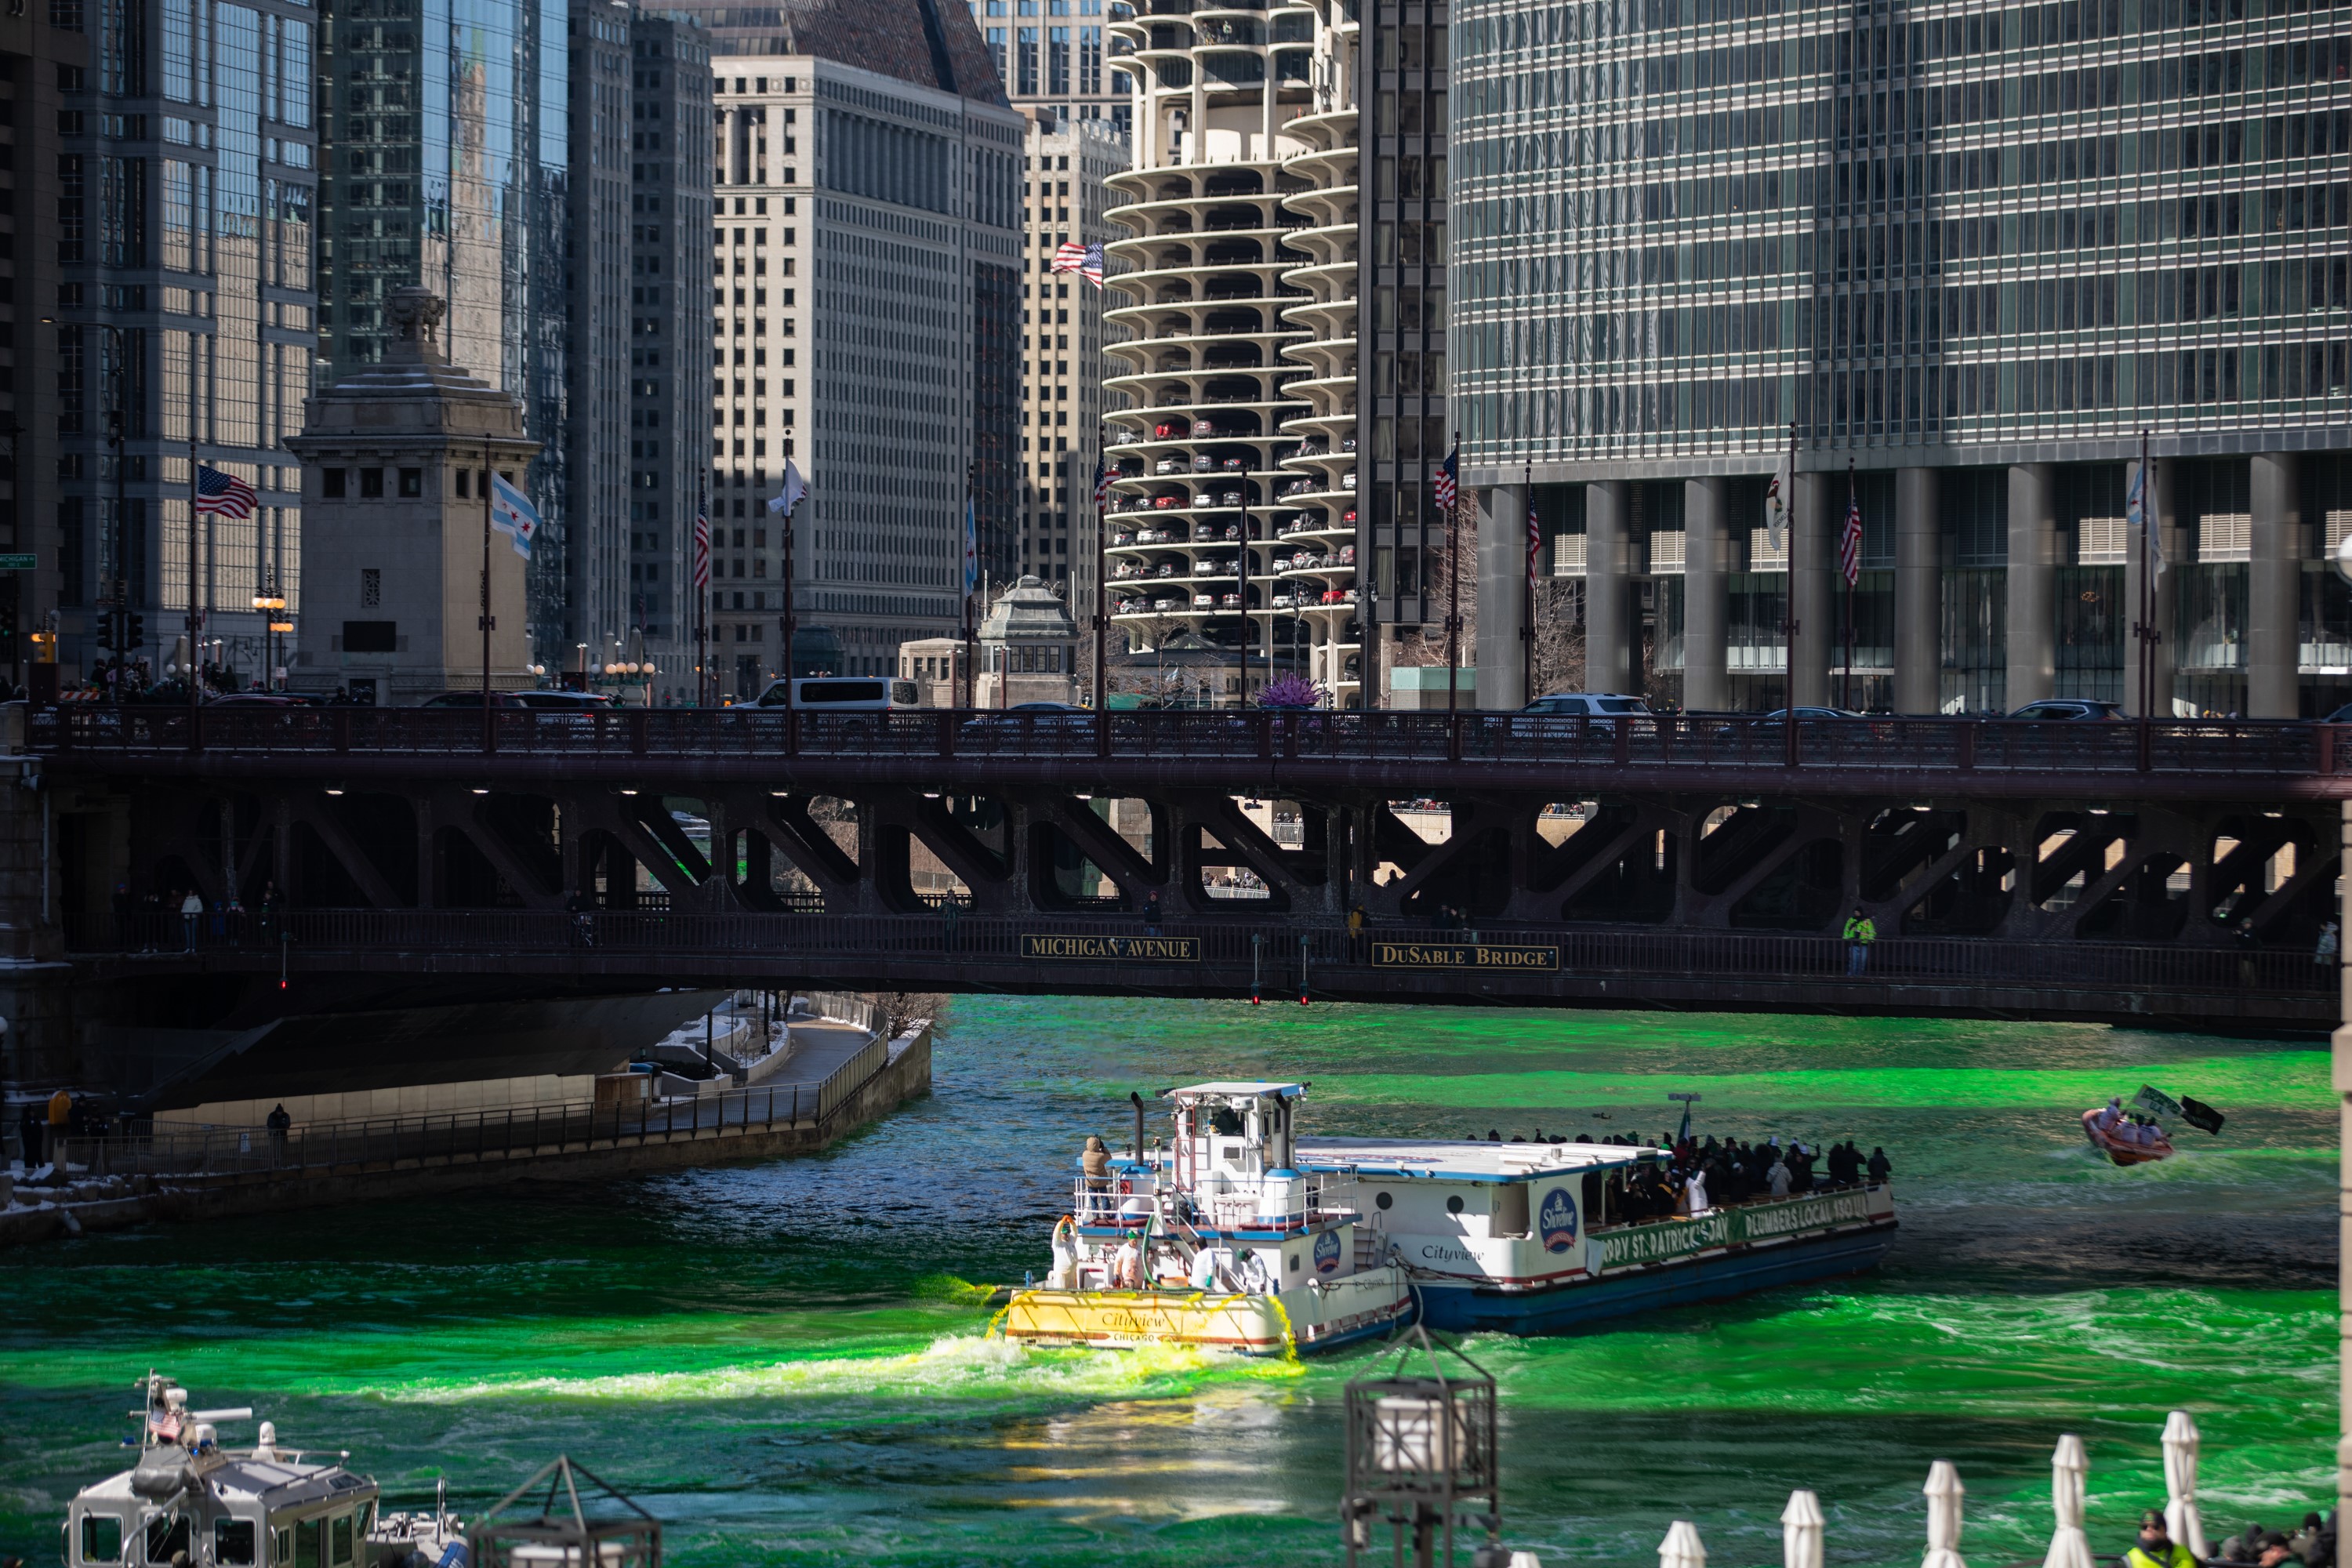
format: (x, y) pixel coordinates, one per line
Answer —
(788, 1361)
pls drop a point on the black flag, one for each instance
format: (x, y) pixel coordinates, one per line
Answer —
(2199, 1115)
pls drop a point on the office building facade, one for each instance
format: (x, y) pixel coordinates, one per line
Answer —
(1056, 60)
(1966, 256)
(1064, 198)
(177, 322)
(450, 133)
(867, 260)
(638, 410)
(1235, 520)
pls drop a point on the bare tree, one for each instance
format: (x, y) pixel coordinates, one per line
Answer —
(1559, 635)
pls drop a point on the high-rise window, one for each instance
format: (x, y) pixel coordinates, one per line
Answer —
(1090, 59)
(1027, 75)
(1057, 61)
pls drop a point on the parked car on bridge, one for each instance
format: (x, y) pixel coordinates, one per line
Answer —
(1564, 713)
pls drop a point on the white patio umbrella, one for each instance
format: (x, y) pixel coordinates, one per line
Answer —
(2069, 1548)
(1681, 1548)
(1800, 1531)
(1944, 1493)
(2181, 1517)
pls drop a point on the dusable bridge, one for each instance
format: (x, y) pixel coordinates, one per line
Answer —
(2174, 872)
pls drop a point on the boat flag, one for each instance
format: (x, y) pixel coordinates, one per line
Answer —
(2154, 1101)
(1776, 501)
(512, 514)
(2201, 1116)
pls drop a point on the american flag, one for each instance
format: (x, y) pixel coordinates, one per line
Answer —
(1103, 472)
(1443, 485)
(1535, 538)
(1850, 542)
(1087, 260)
(701, 551)
(222, 495)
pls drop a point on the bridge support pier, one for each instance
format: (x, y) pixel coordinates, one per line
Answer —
(1706, 523)
(1918, 608)
(2274, 638)
(2033, 583)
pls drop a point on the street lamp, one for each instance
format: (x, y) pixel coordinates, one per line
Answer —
(271, 600)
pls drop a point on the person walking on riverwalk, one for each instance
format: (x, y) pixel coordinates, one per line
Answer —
(1151, 912)
(2329, 941)
(1861, 931)
(279, 1125)
(61, 1115)
(1355, 934)
(191, 910)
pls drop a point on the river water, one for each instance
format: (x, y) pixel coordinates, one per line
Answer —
(788, 1361)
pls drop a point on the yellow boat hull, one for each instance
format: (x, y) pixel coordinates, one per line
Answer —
(1247, 1323)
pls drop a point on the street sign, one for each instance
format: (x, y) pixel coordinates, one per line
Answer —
(19, 562)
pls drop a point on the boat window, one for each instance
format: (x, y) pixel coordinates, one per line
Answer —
(233, 1542)
(307, 1537)
(101, 1538)
(166, 1533)
(1510, 1210)
(343, 1542)
(1383, 1198)
(1453, 1203)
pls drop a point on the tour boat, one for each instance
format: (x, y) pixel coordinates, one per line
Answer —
(1526, 1238)
(2122, 1149)
(241, 1509)
(1532, 1239)
(1218, 1240)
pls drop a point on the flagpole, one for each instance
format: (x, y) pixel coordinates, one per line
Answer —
(1853, 505)
(1527, 624)
(1102, 589)
(791, 623)
(489, 478)
(970, 549)
(195, 699)
(1453, 588)
(2145, 632)
(1788, 610)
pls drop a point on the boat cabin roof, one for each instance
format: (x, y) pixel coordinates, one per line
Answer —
(1237, 1088)
(1467, 1161)
(276, 1484)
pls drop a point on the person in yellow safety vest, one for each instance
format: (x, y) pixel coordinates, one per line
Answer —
(1861, 931)
(2156, 1547)
(60, 1122)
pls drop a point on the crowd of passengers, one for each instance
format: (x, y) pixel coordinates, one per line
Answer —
(1706, 1174)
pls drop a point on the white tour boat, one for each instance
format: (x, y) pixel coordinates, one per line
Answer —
(190, 1500)
(1218, 1239)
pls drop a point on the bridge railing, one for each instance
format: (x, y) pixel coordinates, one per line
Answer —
(1938, 746)
(1272, 952)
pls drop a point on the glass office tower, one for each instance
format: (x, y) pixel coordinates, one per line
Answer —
(1969, 253)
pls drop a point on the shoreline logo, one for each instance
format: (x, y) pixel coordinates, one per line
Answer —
(1556, 1221)
(1327, 1252)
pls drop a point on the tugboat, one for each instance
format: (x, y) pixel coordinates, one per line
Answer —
(1219, 1240)
(188, 1499)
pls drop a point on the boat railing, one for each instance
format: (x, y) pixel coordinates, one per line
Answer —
(1762, 1200)
(1122, 1198)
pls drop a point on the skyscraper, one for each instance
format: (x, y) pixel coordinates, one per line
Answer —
(638, 414)
(1052, 57)
(1237, 482)
(866, 250)
(1970, 255)
(450, 133)
(180, 318)
(1062, 200)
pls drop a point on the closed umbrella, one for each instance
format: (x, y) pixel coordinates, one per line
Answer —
(2181, 1518)
(1800, 1531)
(1681, 1548)
(2069, 1548)
(1944, 1493)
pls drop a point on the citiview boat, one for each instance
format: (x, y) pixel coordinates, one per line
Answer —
(189, 1499)
(1239, 1236)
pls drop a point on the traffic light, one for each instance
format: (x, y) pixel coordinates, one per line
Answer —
(135, 635)
(8, 633)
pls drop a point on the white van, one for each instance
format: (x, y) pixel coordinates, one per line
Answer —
(844, 693)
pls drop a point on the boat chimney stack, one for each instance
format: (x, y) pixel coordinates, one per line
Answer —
(1135, 1099)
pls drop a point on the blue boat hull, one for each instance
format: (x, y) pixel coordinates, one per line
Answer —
(1473, 1309)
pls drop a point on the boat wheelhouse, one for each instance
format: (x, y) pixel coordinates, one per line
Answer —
(1218, 1239)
